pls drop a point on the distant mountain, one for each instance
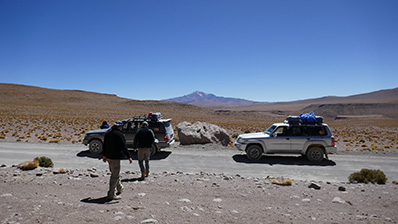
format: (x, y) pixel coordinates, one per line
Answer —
(210, 100)
(382, 102)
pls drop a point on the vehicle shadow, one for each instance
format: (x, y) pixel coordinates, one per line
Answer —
(283, 160)
(158, 156)
(102, 200)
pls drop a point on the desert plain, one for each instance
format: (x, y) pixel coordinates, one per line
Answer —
(36, 115)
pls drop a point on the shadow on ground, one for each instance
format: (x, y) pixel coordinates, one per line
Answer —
(133, 179)
(283, 160)
(158, 156)
(102, 200)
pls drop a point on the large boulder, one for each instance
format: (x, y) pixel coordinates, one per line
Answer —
(202, 133)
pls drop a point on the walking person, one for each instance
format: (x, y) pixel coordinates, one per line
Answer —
(114, 150)
(143, 140)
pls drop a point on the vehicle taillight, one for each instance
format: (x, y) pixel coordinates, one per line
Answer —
(333, 142)
(166, 138)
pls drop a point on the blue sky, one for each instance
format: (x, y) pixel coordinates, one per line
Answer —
(149, 50)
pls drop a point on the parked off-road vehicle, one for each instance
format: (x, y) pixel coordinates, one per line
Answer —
(313, 140)
(161, 128)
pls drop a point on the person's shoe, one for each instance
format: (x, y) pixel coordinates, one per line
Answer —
(120, 191)
(143, 175)
(116, 197)
(146, 174)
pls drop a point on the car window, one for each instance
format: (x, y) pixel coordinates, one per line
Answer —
(281, 131)
(270, 129)
(315, 131)
(295, 131)
(156, 126)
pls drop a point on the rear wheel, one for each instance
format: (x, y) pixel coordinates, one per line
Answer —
(315, 154)
(254, 152)
(95, 146)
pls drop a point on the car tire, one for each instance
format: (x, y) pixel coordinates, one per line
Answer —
(254, 152)
(95, 146)
(315, 154)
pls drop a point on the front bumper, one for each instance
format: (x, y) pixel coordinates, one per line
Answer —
(240, 146)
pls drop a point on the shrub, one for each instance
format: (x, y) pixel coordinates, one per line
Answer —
(44, 161)
(368, 175)
(28, 165)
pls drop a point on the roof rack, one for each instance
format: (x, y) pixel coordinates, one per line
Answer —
(296, 120)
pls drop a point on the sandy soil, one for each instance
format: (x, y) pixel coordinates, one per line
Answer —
(40, 196)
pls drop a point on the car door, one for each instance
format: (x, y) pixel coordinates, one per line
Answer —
(297, 139)
(129, 130)
(279, 142)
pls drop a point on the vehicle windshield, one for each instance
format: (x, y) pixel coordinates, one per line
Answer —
(270, 130)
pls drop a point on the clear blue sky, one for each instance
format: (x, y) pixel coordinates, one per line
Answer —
(156, 49)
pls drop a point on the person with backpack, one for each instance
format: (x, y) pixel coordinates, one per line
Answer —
(143, 140)
(114, 150)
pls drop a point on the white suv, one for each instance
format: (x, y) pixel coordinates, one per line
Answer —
(314, 141)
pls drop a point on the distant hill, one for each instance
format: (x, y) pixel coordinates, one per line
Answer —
(382, 102)
(210, 100)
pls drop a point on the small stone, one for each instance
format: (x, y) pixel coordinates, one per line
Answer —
(185, 209)
(119, 213)
(341, 188)
(94, 175)
(185, 200)
(149, 221)
(338, 200)
(217, 200)
(306, 200)
(141, 194)
(314, 186)
(117, 218)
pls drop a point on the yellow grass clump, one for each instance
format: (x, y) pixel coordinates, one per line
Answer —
(28, 165)
(281, 181)
(54, 141)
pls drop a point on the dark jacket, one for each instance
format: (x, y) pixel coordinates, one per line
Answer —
(115, 145)
(144, 138)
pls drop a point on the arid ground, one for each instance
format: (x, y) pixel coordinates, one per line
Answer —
(32, 114)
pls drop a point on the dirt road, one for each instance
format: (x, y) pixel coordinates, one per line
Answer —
(210, 159)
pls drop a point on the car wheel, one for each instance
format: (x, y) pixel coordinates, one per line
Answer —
(254, 152)
(95, 146)
(315, 154)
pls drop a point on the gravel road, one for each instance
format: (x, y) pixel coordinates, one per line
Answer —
(210, 159)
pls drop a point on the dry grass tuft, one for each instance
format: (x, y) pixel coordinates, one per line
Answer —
(281, 181)
(28, 165)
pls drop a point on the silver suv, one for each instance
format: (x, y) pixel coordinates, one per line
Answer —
(161, 128)
(314, 141)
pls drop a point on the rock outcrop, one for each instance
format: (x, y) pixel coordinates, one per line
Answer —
(202, 133)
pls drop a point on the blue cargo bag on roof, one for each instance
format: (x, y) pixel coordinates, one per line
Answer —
(308, 118)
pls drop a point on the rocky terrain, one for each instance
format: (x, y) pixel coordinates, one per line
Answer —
(32, 114)
(46, 196)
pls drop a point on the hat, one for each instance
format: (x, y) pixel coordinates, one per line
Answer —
(118, 123)
(144, 124)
